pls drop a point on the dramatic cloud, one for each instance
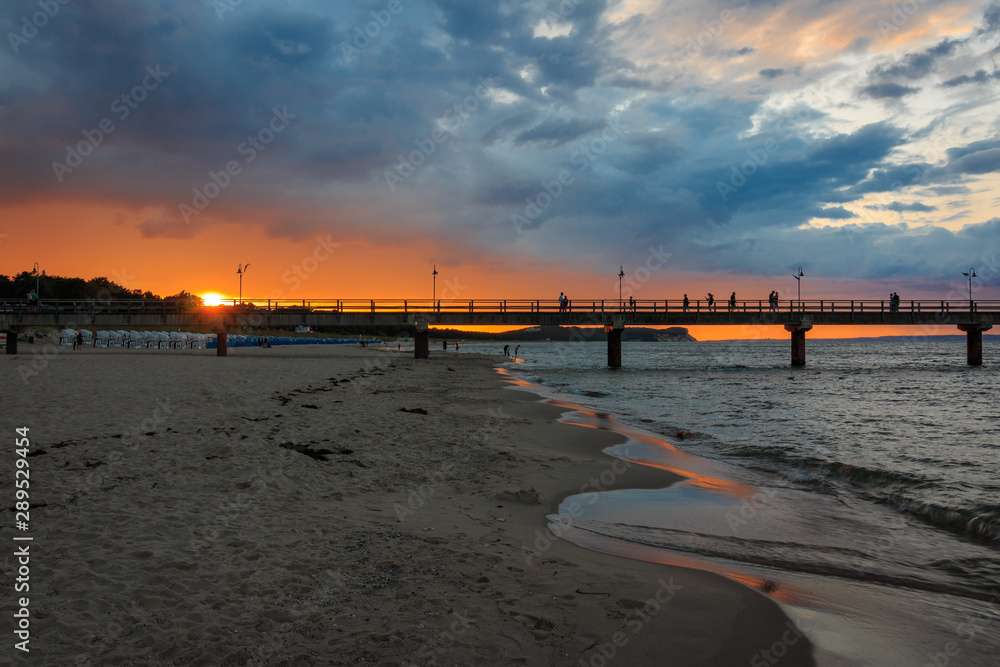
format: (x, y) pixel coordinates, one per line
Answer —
(900, 207)
(887, 90)
(744, 136)
(917, 65)
(979, 77)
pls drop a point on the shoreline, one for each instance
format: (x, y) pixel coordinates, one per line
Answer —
(304, 506)
(861, 602)
(595, 470)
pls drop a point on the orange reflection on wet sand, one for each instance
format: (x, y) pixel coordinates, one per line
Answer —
(784, 592)
(587, 418)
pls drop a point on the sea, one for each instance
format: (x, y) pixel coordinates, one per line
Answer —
(860, 492)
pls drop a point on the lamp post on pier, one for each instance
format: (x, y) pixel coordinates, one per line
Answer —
(621, 274)
(38, 274)
(798, 279)
(241, 270)
(435, 292)
(970, 275)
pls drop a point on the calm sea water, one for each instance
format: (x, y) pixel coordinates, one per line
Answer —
(874, 467)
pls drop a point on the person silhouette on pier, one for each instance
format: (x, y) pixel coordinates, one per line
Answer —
(687, 302)
(562, 302)
(732, 302)
(711, 300)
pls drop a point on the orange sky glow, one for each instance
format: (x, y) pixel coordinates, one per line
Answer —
(696, 147)
(321, 267)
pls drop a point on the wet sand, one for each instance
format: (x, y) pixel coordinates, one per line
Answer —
(332, 505)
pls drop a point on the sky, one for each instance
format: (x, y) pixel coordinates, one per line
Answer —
(347, 149)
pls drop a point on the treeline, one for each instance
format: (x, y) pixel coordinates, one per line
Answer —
(69, 289)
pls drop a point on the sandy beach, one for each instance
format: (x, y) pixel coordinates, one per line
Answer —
(334, 505)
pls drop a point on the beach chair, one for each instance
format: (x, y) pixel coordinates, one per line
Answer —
(88, 336)
(67, 336)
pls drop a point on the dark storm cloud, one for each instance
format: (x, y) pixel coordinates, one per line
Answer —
(900, 207)
(557, 131)
(835, 213)
(991, 19)
(979, 157)
(362, 105)
(975, 147)
(892, 91)
(981, 162)
(916, 65)
(507, 126)
(979, 77)
(774, 73)
(771, 73)
(888, 179)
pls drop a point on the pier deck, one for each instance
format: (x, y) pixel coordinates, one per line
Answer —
(797, 317)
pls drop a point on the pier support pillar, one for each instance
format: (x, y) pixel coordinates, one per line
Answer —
(421, 341)
(798, 332)
(614, 331)
(12, 340)
(221, 344)
(974, 341)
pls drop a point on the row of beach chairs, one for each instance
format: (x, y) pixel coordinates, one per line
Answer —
(139, 339)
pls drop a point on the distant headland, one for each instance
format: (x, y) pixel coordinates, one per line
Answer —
(557, 333)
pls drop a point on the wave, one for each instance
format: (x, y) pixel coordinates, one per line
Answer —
(980, 523)
(974, 581)
(886, 487)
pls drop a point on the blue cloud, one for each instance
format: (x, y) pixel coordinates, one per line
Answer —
(889, 90)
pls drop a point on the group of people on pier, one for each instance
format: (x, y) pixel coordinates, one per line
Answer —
(894, 303)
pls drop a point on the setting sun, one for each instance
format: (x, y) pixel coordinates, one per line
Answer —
(211, 299)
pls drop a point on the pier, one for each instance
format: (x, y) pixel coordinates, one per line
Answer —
(797, 317)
